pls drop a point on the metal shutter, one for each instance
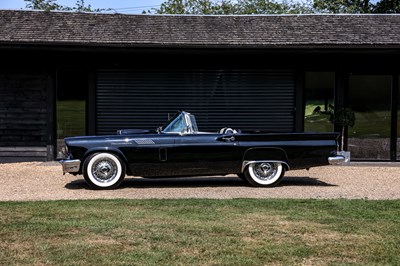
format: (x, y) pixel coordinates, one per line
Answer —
(243, 99)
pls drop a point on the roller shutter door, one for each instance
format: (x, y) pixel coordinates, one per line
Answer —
(248, 100)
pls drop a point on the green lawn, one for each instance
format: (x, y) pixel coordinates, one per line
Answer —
(375, 124)
(71, 118)
(200, 232)
(318, 122)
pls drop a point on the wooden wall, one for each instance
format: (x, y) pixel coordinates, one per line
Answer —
(24, 129)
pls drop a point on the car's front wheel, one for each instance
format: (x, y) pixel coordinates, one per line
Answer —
(104, 170)
(264, 174)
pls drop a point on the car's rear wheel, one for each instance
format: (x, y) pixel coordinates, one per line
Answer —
(264, 174)
(104, 170)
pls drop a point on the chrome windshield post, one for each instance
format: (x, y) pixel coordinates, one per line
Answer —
(182, 123)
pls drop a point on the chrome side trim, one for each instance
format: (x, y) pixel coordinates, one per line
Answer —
(335, 160)
(246, 163)
(143, 141)
(70, 166)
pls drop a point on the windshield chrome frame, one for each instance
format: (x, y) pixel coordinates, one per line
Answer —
(190, 128)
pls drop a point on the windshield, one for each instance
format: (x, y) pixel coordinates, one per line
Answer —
(181, 122)
(170, 120)
(176, 125)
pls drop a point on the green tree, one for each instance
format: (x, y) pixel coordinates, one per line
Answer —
(227, 7)
(274, 7)
(356, 6)
(81, 7)
(200, 7)
(46, 5)
(49, 5)
(387, 6)
(343, 117)
(343, 6)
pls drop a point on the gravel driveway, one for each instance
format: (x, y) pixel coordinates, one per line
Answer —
(44, 181)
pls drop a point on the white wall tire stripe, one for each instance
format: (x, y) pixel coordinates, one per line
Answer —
(272, 180)
(107, 183)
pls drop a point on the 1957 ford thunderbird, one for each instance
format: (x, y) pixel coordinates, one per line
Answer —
(178, 148)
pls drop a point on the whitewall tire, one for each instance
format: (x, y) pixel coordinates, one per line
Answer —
(104, 170)
(264, 174)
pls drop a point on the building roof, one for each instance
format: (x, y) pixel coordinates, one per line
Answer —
(248, 31)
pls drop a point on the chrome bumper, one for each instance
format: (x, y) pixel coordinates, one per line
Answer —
(70, 166)
(335, 160)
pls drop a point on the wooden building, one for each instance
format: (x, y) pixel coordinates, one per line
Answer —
(64, 74)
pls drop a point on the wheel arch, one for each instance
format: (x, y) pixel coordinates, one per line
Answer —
(253, 155)
(114, 151)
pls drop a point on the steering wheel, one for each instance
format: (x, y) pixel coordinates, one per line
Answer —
(227, 130)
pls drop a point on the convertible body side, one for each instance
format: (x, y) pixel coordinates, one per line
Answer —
(206, 154)
(179, 149)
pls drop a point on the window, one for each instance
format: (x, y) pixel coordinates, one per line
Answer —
(370, 98)
(319, 101)
(72, 89)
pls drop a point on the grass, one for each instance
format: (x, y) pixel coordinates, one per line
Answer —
(318, 122)
(369, 124)
(71, 118)
(200, 232)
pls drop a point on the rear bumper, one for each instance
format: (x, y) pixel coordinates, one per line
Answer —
(335, 160)
(70, 166)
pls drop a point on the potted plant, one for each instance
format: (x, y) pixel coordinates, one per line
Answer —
(343, 117)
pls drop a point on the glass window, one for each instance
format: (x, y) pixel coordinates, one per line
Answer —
(71, 118)
(369, 97)
(72, 89)
(319, 95)
(178, 125)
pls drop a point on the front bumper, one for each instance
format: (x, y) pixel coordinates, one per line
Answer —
(335, 160)
(70, 166)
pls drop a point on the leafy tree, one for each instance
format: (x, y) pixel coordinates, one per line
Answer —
(387, 6)
(200, 7)
(81, 7)
(343, 117)
(343, 6)
(215, 7)
(46, 5)
(356, 6)
(274, 7)
(49, 5)
(227, 7)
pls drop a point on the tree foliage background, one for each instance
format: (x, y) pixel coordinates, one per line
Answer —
(357, 6)
(207, 7)
(239, 7)
(52, 5)
(229, 7)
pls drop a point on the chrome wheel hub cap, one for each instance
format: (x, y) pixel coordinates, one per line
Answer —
(265, 171)
(104, 170)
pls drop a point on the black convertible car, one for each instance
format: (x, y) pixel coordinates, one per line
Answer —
(178, 148)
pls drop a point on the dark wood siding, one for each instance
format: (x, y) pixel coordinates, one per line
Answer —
(243, 99)
(23, 116)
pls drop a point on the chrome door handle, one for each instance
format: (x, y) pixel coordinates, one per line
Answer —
(228, 138)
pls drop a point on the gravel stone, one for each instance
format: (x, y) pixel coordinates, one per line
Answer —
(44, 181)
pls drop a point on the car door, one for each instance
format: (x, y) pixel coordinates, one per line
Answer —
(148, 154)
(206, 154)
